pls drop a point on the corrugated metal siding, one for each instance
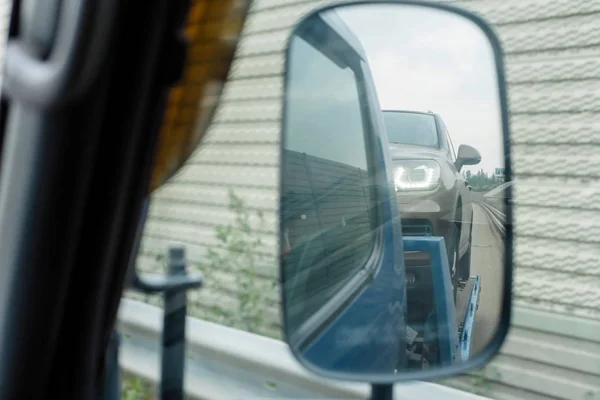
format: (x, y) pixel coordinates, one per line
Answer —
(553, 59)
(333, 199)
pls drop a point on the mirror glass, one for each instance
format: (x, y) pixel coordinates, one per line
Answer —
(392, 197)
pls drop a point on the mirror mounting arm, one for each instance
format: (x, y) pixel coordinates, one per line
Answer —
(382, 391)
(155, 283)
(174, 287)
(459, 164)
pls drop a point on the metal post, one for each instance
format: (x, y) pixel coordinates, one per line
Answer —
(173, 336)
(112, 378)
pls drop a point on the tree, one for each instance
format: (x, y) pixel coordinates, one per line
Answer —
(481, 181)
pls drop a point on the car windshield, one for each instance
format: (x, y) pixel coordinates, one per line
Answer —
(411, 128)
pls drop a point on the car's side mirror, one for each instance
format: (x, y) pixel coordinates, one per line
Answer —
(380, 279)
(467, 155)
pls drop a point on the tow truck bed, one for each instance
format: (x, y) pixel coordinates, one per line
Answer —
(467, 303)
(432, 294)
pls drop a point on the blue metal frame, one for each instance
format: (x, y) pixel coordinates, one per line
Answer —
(378, 355)
(445, 310)
(368, 336)
(366, 339)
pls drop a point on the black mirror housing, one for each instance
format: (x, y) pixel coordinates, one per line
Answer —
(372, 290)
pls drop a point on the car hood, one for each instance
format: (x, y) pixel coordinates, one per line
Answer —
(406, 151)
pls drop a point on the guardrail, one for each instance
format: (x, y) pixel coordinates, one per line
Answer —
(547, 355)
(497, 217)
(226, 363)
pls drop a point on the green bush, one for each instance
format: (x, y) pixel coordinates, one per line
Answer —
(237, 256)
(134, 388)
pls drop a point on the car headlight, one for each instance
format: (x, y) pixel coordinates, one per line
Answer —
(411, 175)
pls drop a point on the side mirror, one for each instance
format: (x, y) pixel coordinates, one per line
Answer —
(467, 155)
(380, 279)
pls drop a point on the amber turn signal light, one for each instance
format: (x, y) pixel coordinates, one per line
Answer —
(213, 29)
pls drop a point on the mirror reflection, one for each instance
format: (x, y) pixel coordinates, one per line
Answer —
(392, 190)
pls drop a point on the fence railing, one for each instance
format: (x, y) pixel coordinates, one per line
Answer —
(226, 363)
(495, 216)
(544, 356)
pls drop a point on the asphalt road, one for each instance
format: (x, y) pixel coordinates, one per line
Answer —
(487, 261)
